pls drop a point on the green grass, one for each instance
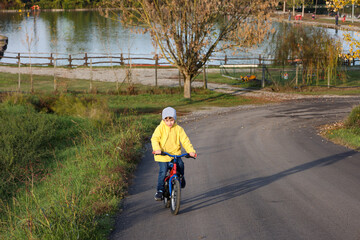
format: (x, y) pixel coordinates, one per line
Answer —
(45, 84)
(93, 145)
(153, 103)
(328, 91)
(67, 189)
(346, 137)
(347, 133)
(235, 81)
(72, 187)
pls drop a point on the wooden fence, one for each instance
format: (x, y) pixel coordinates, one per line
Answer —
(76, 60)
(120, 59)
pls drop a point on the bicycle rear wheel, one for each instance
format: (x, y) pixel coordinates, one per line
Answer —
(175, 197)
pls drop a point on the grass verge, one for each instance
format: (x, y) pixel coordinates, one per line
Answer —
(84, 149)
(345, 133)
(78, 171)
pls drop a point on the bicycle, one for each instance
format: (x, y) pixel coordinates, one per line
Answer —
(172, 193)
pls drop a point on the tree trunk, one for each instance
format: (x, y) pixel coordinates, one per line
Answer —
(187, 87)
(293, 7)
(284, 9)
(303, 8)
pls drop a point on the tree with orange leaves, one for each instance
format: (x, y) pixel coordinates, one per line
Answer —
(188, 32)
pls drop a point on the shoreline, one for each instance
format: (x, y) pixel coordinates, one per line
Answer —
(284, 17)
(307, 20)
(49, 10)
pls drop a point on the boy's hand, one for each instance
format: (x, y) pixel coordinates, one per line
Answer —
(157, 152)
(192, 154)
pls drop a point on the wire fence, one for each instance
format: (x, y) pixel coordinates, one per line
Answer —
(294, 75)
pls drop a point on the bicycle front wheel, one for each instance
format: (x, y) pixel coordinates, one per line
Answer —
(175, 197)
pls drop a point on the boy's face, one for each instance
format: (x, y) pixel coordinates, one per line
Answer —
(169, 121)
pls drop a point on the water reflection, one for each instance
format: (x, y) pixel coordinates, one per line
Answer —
(70, 32)
(86, 31)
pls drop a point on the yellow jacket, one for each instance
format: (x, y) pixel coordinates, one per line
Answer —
(168, 140)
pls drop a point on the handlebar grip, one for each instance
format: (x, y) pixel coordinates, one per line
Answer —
(162, 153)
(188, 156)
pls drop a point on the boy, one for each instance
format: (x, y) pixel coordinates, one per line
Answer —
(167, 137)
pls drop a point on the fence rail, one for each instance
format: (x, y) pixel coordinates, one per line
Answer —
(120, 59)
(83, 59)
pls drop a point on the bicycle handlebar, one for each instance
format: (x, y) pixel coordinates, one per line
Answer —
(176, 156)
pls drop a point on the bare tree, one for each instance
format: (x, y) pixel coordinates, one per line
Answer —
(188, 32)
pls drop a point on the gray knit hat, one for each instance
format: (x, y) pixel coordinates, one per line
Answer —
(169, 112)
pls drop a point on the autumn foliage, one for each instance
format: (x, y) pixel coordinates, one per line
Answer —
(187, 32)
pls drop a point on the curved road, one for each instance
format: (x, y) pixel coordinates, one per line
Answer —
(262, 173)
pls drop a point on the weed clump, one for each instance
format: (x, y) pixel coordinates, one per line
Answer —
(27, 139)
(353, 121)
(84, 107)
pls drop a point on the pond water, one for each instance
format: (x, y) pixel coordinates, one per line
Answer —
(76, 33)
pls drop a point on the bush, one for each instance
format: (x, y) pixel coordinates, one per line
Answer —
(27, 142)
(25, 139)
(85, 107)
(353, 121)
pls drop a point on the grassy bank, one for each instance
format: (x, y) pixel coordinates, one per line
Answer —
(345, 133)
(68, 168)
(66, 158)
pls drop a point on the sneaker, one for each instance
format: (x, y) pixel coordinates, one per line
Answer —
(159, 195)
(183, 182)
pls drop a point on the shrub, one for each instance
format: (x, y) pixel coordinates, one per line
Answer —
(353, 121)
(85, 107)
(28, 140)
(25, 138)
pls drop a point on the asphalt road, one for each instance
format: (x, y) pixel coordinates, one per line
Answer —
(262, 173)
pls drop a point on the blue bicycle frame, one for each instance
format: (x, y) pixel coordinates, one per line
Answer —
(173, 172)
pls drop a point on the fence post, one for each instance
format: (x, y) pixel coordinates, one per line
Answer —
(259, 59)
(51, 60)
(179, 79)
(225, 60)
(156, 69)
(121, 59)
(263, 76)
(329, 77)
(91, 75)
(55, 83)
(70, 60)
(297, 74)
(86, 60)
(19, 74)
(204, 77)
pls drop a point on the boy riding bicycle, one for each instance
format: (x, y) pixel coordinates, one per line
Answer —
(168, 137)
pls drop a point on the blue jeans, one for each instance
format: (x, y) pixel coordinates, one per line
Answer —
(162, 172)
